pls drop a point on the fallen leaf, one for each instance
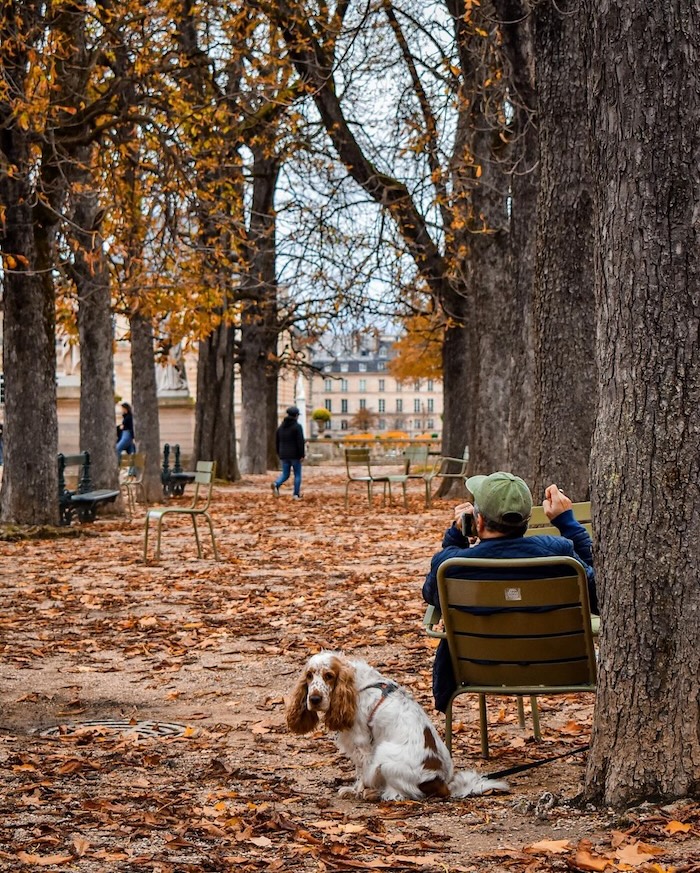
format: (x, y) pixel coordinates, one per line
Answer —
(44, 860)
(584, 860)
(675, 827)
(549, 847)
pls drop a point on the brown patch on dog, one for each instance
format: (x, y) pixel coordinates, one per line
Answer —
(436, 787)
(429, 740)
(432, 763)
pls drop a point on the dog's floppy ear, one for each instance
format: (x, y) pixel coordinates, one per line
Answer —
(300, 720)
(343, 708)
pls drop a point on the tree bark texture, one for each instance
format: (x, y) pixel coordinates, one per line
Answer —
(644, 108)
(564, 309)
(90, 273)
(30, 478)
(215, 427)
(517, 33)
(258, 341)
(30, 473)
(144, 397)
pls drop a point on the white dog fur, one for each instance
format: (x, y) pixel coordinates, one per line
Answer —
(394, 746)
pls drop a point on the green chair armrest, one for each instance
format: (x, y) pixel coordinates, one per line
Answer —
(432, 617)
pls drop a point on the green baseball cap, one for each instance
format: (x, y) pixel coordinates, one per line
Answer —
(501, 497)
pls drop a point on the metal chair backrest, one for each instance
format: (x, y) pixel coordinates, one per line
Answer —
(526, 631)
(416, 456)
(540, 524)
(355, 458)
(203, 484)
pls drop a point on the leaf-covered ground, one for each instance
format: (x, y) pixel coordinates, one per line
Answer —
(90, 632)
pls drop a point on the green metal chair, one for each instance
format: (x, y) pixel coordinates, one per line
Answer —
(131, 470)
(199, 507)
(516, 637)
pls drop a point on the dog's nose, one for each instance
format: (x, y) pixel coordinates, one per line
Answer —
(315, 699)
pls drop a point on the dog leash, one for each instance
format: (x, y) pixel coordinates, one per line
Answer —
(386, 688)
(522, 767)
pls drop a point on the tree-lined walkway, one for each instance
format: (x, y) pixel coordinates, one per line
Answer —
(91, 633)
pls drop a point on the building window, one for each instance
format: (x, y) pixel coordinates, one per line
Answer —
(381, 384)
(363, 403)
(381, 365)
(430, 385)
(416, 405)
(328, 403)
(382, 424)
(416, 423)
(362, 368)
(344, 406)
(430, 424)
(343, 424)
(328, 384)
(398, 424)
(327, 368)
(382, 405)
(363, 385)
(343, 384)
(416, 385)
(344, 368)
(399, 386)
(431, 405)
(399, 405)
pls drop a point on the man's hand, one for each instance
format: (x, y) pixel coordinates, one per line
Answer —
(460, 511)
(555, 502)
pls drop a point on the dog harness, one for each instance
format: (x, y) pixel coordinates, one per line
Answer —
(386, 688)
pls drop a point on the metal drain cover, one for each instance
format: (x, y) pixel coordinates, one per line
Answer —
(140, 729)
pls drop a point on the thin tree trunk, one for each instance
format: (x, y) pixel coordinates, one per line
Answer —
(271, 412)
(215, 426)
(564, 297)
(91, 276)
(144, 397)
(644, 110)
(258, 342)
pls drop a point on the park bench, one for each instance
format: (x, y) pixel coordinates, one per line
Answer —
(82, 502)
(174, 479)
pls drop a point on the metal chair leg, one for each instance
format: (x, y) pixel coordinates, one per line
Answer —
(213, 541)
(521, 712)
(448, 727)
(535, 718)
(484, 727)
(196, 536)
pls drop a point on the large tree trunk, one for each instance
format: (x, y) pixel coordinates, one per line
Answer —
(258, 343)
(91, 276)
(30, 477)
(215, 426)
(564, 298)
(517, 35)
(144, 397)
(644, 106)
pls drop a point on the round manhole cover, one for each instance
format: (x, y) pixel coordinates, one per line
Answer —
(140, 729)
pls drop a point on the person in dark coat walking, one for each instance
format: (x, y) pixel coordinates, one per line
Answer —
(289, 443)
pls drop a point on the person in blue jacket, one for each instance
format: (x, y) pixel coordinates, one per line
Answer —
(499, 518)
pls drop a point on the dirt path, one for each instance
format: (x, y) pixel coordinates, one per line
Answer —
(90, 633)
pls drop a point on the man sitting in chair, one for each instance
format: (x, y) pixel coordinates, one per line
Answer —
(494, 526)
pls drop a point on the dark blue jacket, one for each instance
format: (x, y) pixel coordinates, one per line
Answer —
(574, 542)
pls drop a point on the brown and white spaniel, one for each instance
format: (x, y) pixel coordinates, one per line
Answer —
(394, 746)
